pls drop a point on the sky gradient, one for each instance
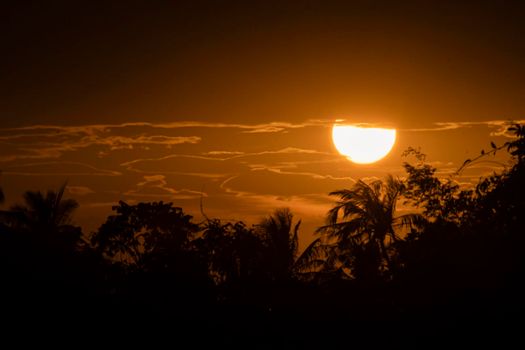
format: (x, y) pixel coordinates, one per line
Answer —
(232, 105)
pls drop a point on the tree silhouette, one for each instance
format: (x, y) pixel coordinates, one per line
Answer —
(46, 217)
(151, 244)
(42, 254)
(363, 224)
(468, 261)
(280, 237)
(233, 251)
(441, 199)
(444, 200)
(141, 233)
(500, 198)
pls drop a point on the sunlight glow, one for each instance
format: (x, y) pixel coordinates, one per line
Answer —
(363, 145)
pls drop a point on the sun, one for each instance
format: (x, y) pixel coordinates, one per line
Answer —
(363, 145)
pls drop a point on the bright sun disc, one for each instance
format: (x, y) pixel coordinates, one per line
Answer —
(363, 145)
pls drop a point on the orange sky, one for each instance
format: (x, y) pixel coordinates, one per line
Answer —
(234, 103)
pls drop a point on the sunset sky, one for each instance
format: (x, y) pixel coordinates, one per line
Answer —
(232, 103)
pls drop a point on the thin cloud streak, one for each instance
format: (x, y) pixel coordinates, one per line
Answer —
(308, 174)
(11, 170)
(501, 125)
(159, 184)
(79, 190)
(92, 128)
(233, 156)
(41, 150)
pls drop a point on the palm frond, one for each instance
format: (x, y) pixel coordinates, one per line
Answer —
(312, 257)
(340, 229)
(344, 194)
(410, 221)
(294, 244)
(376, 187)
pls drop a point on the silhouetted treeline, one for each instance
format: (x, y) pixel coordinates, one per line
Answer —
(453, 266)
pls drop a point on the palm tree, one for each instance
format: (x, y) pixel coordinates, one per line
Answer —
(280, 237)
(46, 216)
(363, 223)
(46, 211)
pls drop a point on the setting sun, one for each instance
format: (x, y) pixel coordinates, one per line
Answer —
(363, 145)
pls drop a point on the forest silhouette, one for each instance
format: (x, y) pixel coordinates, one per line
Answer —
(451, 268)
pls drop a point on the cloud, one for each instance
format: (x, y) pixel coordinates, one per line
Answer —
(57, 169)
(52, 141)
(223, 153)
(156, 186)
(344, 122)
(79, 190)
(56, 142)
(95, 130)
(199, 165)
(312, 175)
(119, 142)
(98, 128)
(270, 127)
(288, 150)
(180, 164)
(501, 126)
